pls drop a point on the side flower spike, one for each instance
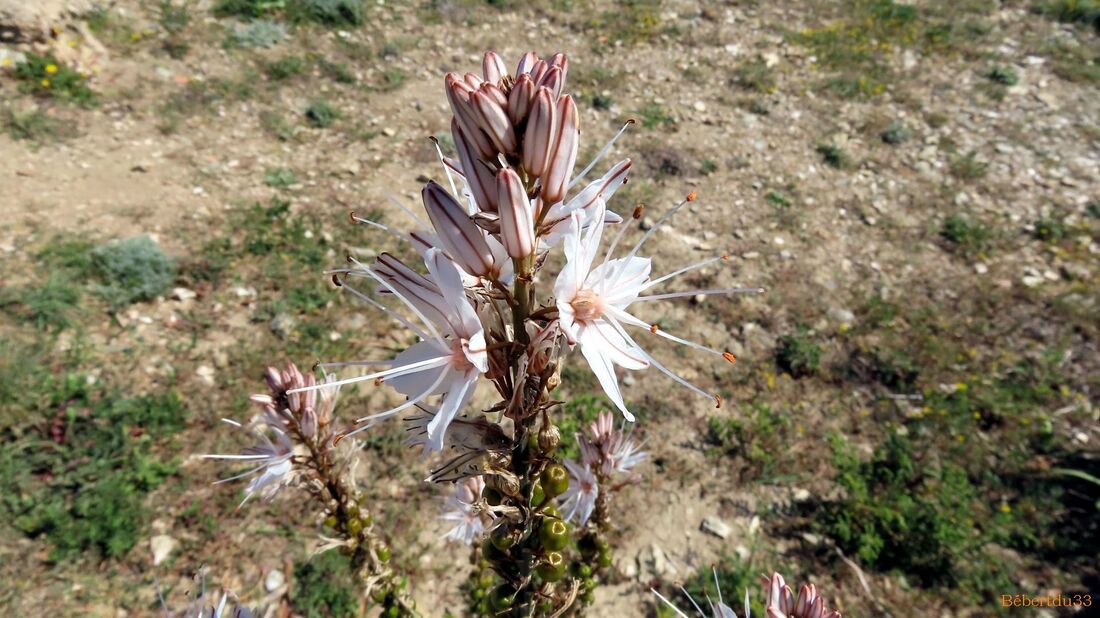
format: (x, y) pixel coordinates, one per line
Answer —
(783, 604)
(272, 456)
(517, 227)
(466, 508)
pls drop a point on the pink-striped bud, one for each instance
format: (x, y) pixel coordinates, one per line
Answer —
(519, 99)
(495, 122)
(479, 177)
(473, 80)
(460, 236)
(554, 80)
(493, 68)
(561, 61)
(559, 167)
(539, 71)
(517, 227)
(495, 93)
(542, 126)
(458, 94)
(526, 63)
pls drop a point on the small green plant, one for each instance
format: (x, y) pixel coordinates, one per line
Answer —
(324, 587)
(798, 354)
(1006, 76)
(654, 115)
(173, 19)
(777, 199)
(755, 75)
(896, 133)
(758, 436)
(247, 8)
(708, 167)
(1050, 230)
(336, 71)
(320, 114)
(966, 236)
(834, 156)
(392, 79)
(579, 412)
(132, 270)
(333, 13)
(602, 101)
(32, 125)
(258, 33)
(45, 76)
(280, 177)
(284, 68)
(968, 166)
(49, 306)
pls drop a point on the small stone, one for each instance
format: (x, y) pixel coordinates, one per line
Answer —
(715, 526)
(282, 325)
(629, 380)
(183, 294)
(750, 255)
(645, 224)
(811, 538)
(1081, 437)
(1031, 281)
(841, 315)
(980, 268)
(243, 292)
(162, 546)
(274, 580)
(661, 563)
(699, 106)
(801, 495)
(206, 373)
(389, 132)
(630, 569)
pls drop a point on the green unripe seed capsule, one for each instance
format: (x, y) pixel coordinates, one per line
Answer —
(604, 560)
(538, 496)
(603, 546)
(490, 551)
(585, 571)
(554, 534)
(378, 595)
(555, 480)
(553, 567)
(502, 538)
(393, 612)
(589, 598)
(384, 553)
(502, 598)
(551, 511)
(331, 521)
(355, 527)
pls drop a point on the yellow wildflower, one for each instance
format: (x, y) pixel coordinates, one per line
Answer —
(45, 83)
(51, 68)
(1005, 508)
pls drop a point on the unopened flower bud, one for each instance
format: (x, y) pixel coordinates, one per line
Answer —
(308, 423)
(542, 126)
(553, 80)
(493, 68)
(517, 227)
(559, 166)
(274, 379)
(519, 98)
(494, 120)
(458, 94)
(549, 438)
(526, 63)
(561, 61)
(460, 236)
(478, 175)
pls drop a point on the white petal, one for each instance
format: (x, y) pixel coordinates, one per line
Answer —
(620, 281)
(459, 391)
(600, 334)
(447, 277)
(413, 384)
(605, 372)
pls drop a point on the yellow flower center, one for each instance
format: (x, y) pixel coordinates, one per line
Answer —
(587, 305)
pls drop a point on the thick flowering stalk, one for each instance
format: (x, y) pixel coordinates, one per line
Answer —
(298, 414)
(475, 295)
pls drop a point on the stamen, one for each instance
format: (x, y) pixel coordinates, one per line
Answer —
(629, 319)
(690, 598)
(411, 402)
(649, 357)
(686, 293)
(600, 154)
(419, 314)
(416, 367)
(393, 314)
(396, 202)
(669, 603)
(443, 161)
(683, 270)
(729, 357)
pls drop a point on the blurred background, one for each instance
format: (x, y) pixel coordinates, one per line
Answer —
(911, 423)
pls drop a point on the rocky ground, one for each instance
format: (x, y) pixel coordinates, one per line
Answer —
(912, 420)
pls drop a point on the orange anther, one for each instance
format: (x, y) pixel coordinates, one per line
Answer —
(638, 210)
(725, 257)
(729, 357)
(691, 196)
(717, 401)
(653, 329)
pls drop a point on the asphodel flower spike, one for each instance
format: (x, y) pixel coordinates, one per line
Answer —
(517, 226)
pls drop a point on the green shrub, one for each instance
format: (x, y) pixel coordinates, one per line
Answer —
(320, 114)
(48, 305)
(341, 13)
(258, 33)
(280, 177)
(86, 490)
(896, 133)
(798, 354)
(900, 513)
(324, 587)
(968, 167)
(966, 236)
(1085, 12)
(1005, 76)
(45, 76)
(833, 155)
(246, 8)
(757, 435)
(132, 270)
